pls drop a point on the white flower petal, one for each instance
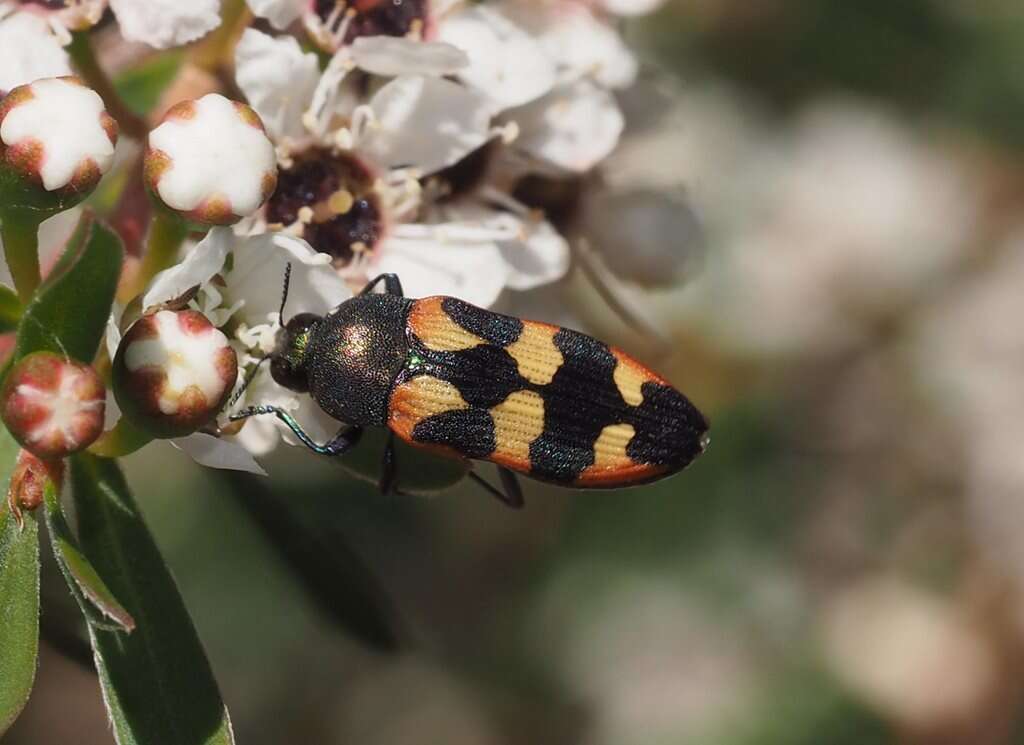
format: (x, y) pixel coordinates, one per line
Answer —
(278, 79)
(580, 43)
(540, 256)
(505, 63)
(631, 7)
(473, 271)
(199, 266)
(574, 127)
(280, 13)
(258, 273)
(425, 123)
(216, 452)
(392, 56)
(166, 23)
(29, 51)
(262, 433)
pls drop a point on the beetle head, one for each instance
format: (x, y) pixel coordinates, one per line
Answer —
(288, 362)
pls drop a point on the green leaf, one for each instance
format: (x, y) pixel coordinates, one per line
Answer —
(10, 309)
(332, 574)
(141, 86)
(157, 683)
(69, 312)
(98, 603)
(419, 471)
(19, 599)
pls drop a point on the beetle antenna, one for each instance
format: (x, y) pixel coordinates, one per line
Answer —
(284, 293)
(245, 383)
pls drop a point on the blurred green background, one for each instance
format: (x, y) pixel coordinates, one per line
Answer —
(842, 566)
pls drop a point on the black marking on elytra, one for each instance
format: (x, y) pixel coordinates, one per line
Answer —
(581, 400)
(668, 428)
(469, 431)
(491, 327)
(485, 375)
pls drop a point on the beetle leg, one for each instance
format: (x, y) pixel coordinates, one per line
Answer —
(392, 285)
(347, 436)
(389, 469)
(512, 496)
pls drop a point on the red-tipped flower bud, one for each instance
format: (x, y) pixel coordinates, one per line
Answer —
(29, 479)
(53, 406)
(56, 142)
(173, 372)
(211, 161)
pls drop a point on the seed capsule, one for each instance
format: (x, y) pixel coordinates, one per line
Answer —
(173, 372)
(53, 406)
(29, 480)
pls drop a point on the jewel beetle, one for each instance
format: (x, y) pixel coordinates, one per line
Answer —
(537, 400)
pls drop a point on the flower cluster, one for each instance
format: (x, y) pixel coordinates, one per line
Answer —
(422, 137)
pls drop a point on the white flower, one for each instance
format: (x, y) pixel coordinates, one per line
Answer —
(28, 51)
(362, 160)
(498, 58)
(158, 23)
(166, 23)
(58, 132)
(62, 19)
(575, 40)
(211, 160)
(573, 128)
(250, 273)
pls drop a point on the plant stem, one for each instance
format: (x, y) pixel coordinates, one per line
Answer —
(88, 66)
(166, 234)
(20, 232)
(123, 439)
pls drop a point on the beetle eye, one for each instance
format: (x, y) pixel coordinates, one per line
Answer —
(288, 375)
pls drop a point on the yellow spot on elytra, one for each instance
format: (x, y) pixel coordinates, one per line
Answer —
(518, 421)
(535, 353)
(629, 380)
(437, 330)
(610, 448)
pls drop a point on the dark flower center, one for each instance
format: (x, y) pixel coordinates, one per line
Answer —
(344, 217)
(465, 176)
(371, 17)
(48, 4)
(557, 198)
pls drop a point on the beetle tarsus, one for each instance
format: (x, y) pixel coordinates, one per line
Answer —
(512, 496)
(392, 285)
(346, 438)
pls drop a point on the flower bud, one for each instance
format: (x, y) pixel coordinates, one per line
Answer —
(56, 142)
(53, 406)
(29, 479)
(173, 372)
(211, 161)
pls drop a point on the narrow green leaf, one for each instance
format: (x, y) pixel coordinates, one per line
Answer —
(419, 471)
(333, 575)
(98, 603)
(19, 614)
(19, 598)
(10, 309)
(69, 312)
(157, 682)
